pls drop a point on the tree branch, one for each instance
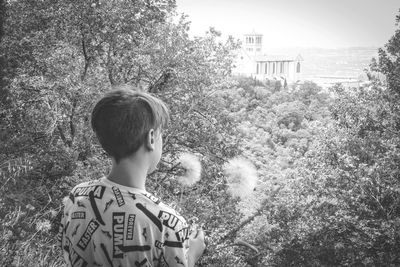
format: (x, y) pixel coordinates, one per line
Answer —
(109, 65)
(232, 233)
(71, 121)
(62, 135)
(86, 57)
(241, 243)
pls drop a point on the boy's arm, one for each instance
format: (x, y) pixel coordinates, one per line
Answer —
(62, 226)
(186, 252)
(60, 232)
(196, 247)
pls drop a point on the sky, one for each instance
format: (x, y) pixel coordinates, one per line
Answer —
(297, 23)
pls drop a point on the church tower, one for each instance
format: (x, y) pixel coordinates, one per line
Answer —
(253, 43)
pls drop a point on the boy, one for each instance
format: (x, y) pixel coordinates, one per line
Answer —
(114, 221)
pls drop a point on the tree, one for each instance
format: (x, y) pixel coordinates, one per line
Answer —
(61, 56)
(343, 206)
(3, 92)
(389, 60)
(338, 203)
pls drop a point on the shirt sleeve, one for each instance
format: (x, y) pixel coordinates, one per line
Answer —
(60, 232)
(176, 245)
(67, 202)
(62, 227)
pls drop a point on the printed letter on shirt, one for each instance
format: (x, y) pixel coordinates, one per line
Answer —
(118, 233)
(168, 219)
(87, 235)
(118, 196)
(130, 226)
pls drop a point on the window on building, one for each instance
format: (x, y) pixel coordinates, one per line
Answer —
(282, 67)
(258, 68)
(298, 67)
(266, 68)
(273, 68)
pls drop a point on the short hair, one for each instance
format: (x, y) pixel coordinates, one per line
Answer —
(123, 118)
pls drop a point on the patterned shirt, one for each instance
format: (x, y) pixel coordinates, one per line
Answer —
(107, 224)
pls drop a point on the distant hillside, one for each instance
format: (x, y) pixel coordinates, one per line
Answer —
(339, 62)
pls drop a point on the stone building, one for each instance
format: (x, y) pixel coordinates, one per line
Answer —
(252, 62)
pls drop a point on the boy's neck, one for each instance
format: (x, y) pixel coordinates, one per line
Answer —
(131, 172)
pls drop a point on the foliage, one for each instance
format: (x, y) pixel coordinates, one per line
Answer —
(328, 183)
(389, 60)
(348, 187)
(329, 180)
(339, 205)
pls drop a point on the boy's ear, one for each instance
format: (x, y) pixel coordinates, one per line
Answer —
(150, 140)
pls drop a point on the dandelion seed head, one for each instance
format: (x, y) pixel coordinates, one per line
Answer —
(192, 169)
(43, 226)
(241, 176)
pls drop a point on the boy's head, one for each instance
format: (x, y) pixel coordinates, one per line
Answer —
(123, 118)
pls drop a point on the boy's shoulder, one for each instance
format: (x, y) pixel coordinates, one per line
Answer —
(160, 209)
(124, 198)
(85, 188)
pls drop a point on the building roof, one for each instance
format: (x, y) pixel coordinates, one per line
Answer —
(252, 33)
(278, 58)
